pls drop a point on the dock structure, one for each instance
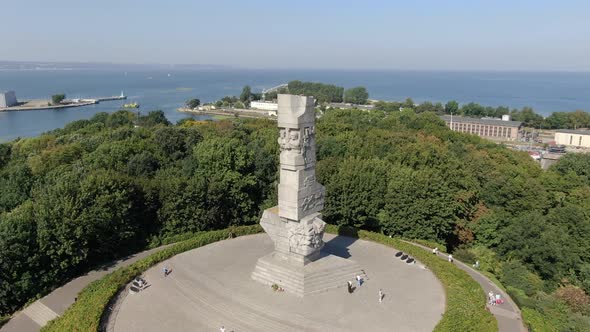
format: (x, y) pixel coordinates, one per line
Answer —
(120, 97)
(40, 104)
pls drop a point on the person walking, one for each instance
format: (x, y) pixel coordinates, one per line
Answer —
(491, 298)
(450, 258)
(359, 280)
(222, 329)
(380, 296)
(349, 287)
(166, 271)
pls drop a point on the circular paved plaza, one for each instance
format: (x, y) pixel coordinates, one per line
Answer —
(210, 287)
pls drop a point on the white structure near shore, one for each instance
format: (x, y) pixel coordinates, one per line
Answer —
(7, 99)
(264, 105)
(577, 138)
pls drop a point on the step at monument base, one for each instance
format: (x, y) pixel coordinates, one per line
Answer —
(318, 276)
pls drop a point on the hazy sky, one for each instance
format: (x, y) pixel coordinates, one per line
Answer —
(361, 34)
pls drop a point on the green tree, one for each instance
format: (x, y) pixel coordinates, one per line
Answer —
(193, 103)
(154, 118)
(246, 94)
(575, 163)
(58, 98)
(143, 164)
(5, 151)
(357, 95)
(452, 107)
(418, 204)
(355, 196)
(20, 262)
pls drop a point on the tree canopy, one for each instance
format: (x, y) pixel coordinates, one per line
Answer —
(193, 103)
(101, 188)
(358, 95)
(58, 98)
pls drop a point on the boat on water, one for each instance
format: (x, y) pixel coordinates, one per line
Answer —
(131, 105)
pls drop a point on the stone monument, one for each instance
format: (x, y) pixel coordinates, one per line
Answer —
(295, 225)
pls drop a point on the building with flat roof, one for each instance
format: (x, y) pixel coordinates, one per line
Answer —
(264, 105)
(580, 137)
(7, 99)
(488, 128)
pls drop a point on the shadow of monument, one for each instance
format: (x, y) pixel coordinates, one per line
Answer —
(338, 246)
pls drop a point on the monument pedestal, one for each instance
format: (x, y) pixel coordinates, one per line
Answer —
(323, 274)
(295, 225)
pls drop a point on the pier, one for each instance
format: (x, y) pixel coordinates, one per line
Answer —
(45, 104)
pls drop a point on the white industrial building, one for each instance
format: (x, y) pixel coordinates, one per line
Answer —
(264, 105)
(7, 99)
(567, 137)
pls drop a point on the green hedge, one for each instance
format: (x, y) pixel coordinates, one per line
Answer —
(466, 303)
(465, 310)
(85, 313)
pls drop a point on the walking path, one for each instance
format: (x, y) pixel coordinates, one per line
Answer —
(507, 314)
(36, 315)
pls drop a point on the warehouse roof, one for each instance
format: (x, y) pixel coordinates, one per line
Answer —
(493, 122)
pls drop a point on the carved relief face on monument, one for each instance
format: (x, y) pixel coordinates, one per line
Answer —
(305, 238)
(294, 141)
(289, 139)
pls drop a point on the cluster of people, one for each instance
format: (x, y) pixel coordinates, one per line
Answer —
(359, 282)
(494, 299)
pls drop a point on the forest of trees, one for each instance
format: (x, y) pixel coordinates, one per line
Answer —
(111, 185)
(557, 120)
(323, 93)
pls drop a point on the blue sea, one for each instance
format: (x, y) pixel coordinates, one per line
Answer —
(167, 90)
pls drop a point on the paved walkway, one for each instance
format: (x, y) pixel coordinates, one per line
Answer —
(36, 315)
(507, 314)
(210, 287)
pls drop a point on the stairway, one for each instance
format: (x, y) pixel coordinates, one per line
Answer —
(326, 273)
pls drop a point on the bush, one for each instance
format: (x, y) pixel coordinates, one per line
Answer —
(574, 297)
(515, 274)
(536, 321)
(465, 256)
(466, 301)
(85, 314)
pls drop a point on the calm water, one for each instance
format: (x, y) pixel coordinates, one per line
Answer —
(167, 90)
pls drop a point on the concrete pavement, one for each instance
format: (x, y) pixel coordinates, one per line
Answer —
(210, 287)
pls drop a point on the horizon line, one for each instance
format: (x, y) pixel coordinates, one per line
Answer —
(228, 66)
